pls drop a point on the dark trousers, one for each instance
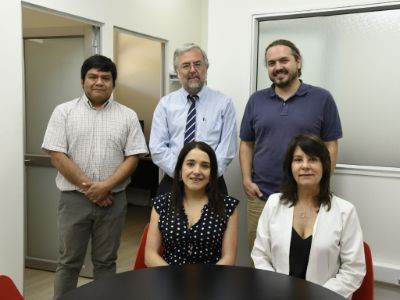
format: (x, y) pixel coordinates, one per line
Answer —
(165, 185)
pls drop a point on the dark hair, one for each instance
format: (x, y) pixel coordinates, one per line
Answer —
(215, 199)
(312, 146)
(281, 42)
(100, 63)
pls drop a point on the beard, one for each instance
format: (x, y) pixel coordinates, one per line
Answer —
(292, 77)
(194, 86)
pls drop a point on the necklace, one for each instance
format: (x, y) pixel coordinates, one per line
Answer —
(302, 214)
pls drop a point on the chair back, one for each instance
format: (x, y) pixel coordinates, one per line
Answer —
(139, 261)
(8, 290)
(366, 290)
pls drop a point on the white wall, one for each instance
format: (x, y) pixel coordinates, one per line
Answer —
(177, 21)
(11, 150)
(229, 49)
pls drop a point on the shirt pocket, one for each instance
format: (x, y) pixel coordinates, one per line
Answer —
(210, 127)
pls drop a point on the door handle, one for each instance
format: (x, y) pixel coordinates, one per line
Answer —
(37, 160)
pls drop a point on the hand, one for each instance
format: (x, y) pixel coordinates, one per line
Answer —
(97, 191)
(105, 202)
(251, 189)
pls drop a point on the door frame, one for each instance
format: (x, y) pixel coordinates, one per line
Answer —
(92, 37)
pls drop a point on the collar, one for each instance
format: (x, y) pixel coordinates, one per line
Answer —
(86, 100)
(201, 94)
(301, 91)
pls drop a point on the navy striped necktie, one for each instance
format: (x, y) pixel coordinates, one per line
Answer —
(190, 131)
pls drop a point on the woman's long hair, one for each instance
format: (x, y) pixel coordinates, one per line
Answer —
(312, 146)
(215, 198)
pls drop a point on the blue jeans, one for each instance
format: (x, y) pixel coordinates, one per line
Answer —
(79, 220)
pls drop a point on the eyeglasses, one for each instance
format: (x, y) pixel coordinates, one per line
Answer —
(187, 66)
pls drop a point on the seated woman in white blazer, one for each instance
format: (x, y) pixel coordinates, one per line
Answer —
(306, 231)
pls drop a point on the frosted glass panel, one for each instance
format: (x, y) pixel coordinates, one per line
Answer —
(356, 57)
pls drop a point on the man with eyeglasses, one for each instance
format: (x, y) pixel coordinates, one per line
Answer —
(194, 112)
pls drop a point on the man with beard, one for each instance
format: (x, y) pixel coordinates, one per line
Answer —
(194, 112)
(275, 115)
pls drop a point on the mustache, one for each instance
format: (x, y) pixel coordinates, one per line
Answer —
(282, 71)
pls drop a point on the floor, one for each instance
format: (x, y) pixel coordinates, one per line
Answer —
(38, 285)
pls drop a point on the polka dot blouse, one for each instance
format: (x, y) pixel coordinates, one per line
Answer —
(199, 244)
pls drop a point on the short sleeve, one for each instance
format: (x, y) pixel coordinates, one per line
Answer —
(230, 205)
(136, 143)
(161, 203)
(55, 138)
(331, 126)
(246, 127)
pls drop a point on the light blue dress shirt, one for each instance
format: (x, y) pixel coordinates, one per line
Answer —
(215, 125)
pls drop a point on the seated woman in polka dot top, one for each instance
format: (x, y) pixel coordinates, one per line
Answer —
(194, 224)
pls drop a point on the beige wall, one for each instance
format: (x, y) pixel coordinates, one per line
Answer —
(139, 62)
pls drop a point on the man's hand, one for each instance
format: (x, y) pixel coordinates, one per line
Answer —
(97, 192)
(251, 189)
(105, 202)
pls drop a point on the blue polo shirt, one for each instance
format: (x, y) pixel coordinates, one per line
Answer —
(271, 123)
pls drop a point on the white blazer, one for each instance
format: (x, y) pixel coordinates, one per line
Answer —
(336, 260)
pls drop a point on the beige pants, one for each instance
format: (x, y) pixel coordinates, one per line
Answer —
(255, 207)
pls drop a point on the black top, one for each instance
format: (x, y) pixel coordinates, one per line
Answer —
(199, 282)
(299, 254)
(199, 244)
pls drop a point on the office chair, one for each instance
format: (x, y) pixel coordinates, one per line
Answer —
(139, 261)
(366, 290)
(8, 290)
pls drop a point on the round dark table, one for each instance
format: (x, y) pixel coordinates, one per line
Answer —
(205, 282)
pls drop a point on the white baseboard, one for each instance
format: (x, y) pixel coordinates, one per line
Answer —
(387, 273)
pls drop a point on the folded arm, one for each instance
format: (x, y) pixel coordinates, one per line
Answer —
(96, 191)
(68, 169)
